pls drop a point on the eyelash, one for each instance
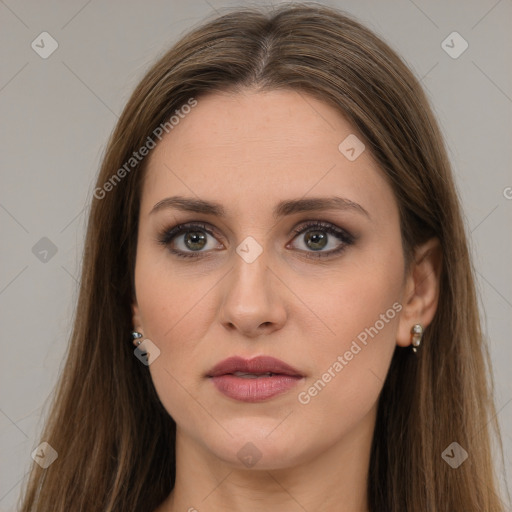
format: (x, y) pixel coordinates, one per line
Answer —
(168, 235)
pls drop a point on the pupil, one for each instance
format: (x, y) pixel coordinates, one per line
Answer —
(317, 238)
(196, 238)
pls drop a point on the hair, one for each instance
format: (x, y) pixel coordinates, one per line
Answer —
(115, 439)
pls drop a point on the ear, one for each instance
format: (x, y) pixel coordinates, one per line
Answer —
(421, 290)
(136, 320)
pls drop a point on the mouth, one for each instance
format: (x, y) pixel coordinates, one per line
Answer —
(245, 375)
(253, 368)
(253, 380)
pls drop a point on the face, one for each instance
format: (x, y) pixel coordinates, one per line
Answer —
(269, 273)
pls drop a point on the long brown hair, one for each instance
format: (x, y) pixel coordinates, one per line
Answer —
(114, 438)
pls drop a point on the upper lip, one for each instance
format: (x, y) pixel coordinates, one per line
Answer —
(259, 364)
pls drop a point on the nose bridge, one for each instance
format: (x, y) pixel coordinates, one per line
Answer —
(251, 299)
(249, 279)
(251, 258)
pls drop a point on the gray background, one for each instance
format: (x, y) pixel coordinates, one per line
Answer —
(57, 114)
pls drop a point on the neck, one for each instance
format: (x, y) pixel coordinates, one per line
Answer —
(333, 480)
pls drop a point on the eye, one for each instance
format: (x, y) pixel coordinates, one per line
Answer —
(188, 240)
(191, 240)
(318, 235)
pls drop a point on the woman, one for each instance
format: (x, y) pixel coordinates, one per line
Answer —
(276, 221)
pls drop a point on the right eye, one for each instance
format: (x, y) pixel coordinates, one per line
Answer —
(188, 240)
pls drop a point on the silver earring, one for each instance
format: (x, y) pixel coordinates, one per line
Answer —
(136, 338)
(417, 334)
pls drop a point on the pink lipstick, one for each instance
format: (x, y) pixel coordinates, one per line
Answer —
(253, 380)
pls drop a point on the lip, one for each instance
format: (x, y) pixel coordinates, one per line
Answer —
(257, 389)
(259, 364)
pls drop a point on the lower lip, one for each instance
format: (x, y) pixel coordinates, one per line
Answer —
(254, 390)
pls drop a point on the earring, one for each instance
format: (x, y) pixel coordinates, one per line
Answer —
(136, 338)
(417, 334)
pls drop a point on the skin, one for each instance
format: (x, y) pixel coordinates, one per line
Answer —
(248, 151)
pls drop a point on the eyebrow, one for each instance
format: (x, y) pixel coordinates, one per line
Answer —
(282, 209)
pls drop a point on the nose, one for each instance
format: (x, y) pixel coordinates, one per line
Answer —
(252, 299)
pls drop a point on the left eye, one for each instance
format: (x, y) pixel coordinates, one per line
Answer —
(318, 237)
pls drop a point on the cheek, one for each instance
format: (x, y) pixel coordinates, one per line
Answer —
(361, 309)
(352, 298)
(175, 310)
(166, 295)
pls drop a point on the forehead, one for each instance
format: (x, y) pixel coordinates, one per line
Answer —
(248, 149)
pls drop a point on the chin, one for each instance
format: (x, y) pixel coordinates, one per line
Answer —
(257, 444)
